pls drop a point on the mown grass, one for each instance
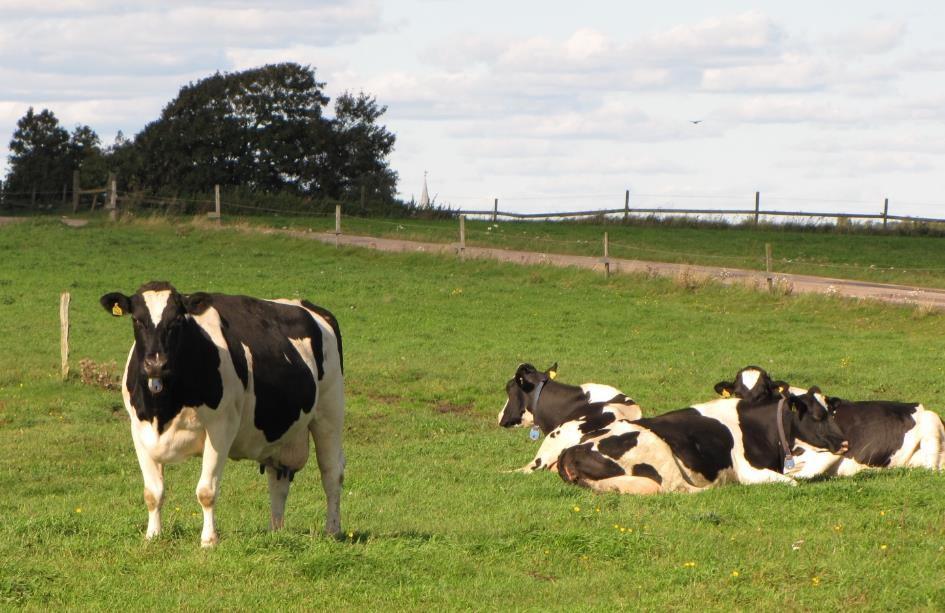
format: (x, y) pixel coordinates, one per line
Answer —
(824, 251)
(430, 519)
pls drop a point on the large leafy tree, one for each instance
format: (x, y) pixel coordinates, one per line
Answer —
(265, 129)
(361, 148)
(40, 157)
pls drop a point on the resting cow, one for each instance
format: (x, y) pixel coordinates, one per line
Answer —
(688, 450)
(232, 376)
(560, 411)
(881, 434)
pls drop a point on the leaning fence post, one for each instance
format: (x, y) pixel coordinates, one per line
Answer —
(606, 256)
(462, 236)
(885, 212)
(757, 206)
(64, 299)
(337, 224)
(768, 274)
(495, 210)
(626, 205)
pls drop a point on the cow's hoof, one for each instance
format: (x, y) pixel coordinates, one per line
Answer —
(209, 542)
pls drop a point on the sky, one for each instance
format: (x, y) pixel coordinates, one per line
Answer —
(545, 105)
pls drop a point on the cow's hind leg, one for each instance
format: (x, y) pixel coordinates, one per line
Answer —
(327, 429)
(625, 484)
(279, 481)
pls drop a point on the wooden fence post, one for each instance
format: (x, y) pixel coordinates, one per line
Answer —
(757, 206)
(462, 236)
(606, 256)
(112, 198)
(885, 212)
(64, 299)
(337, 224)
(495, 210)
(75, 191)
(217, 213)
(768, 274)
(626, 205)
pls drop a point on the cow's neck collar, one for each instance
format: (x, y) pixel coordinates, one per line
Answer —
(538, 387)
(785, 447)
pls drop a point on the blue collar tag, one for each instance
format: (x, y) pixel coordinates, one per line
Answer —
(534, 433)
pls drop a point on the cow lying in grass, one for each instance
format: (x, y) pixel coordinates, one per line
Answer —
(881, 434)
(562, 412)
(703, 446)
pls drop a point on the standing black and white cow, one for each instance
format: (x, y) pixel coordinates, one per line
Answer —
(881, 434)
(699, 447)
(563, 412)
(232, 376)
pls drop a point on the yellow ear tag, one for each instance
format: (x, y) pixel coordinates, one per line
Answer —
(726, 393)
(781, 389)
(552, 374)
(116, 310)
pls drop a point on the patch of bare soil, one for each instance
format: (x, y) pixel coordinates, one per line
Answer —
(105, 375)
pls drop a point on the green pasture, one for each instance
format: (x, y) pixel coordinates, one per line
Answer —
(906, 256)
(431, 521)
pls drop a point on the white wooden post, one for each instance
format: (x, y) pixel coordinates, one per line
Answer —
(337, 224)
(64, 300)
(768, 274)
(606, 256)
(462, 236)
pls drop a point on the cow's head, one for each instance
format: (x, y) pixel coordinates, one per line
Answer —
(752, 384)
(159, 315)
(814, 421)
(520, 389)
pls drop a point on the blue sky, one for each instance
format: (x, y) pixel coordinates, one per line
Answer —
(546, 105)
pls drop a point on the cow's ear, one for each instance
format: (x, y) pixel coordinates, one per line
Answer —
(197, 303)
(552, 371)
(795, 404)
(116, 303)
(832, 402)
(783, 388)
(724, 388)
(814, 390)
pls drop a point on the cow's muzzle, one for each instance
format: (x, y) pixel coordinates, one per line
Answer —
(154, 366)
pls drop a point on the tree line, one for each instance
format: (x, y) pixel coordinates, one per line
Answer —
(264, 129)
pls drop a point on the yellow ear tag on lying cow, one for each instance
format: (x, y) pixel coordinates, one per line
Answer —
(116, 310)
(781, 390)
(552, 374)
(726, 393)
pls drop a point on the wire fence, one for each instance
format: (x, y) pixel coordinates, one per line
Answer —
(419, 224)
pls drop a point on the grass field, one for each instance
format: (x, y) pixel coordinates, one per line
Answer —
(430, 519)
(887, 258)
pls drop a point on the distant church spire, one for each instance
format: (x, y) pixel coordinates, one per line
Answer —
(424, 195)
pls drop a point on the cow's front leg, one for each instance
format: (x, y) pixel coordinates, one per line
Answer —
(813, 463)
(750, 476)
(211, 475)
(153, 476)
(278, 492)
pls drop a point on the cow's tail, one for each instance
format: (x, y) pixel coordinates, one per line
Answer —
(333, 322)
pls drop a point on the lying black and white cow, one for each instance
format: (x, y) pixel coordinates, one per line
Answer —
(881, 434)
(232, 376)
(699, 447)
(560, 411)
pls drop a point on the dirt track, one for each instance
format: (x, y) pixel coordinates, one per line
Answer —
(902, 294)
